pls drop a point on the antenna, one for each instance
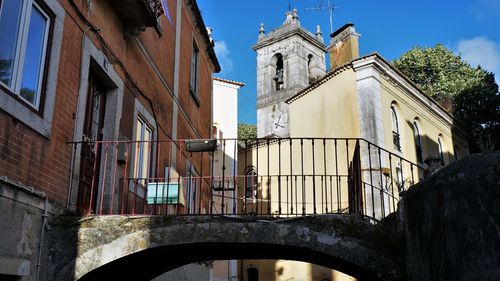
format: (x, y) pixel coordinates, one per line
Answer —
(330, 7)
(290, 5)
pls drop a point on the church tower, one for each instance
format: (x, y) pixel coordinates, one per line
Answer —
(289, 58)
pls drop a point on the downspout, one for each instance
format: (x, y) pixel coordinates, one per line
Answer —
(177, 51)
(44, 226)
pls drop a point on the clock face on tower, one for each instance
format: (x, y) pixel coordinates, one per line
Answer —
(280, 124)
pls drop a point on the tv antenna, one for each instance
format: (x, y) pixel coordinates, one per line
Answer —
(290, 5)
(329, 7)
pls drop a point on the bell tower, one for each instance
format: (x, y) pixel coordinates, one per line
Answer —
(289, 58)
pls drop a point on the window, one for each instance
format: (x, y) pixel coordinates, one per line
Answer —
(310, 64)
(400, 182)
(143, 148)
(193, 82)
(440, 149)
(418, 142)
(251, 184)
(24, 36)
(193, 180)
(252, 274)
(396, 137)
(277, 64)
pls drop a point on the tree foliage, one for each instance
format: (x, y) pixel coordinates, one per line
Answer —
(470, 94)
(247, 131)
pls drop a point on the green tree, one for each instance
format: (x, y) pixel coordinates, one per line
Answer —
(470, 94)
(247, 131)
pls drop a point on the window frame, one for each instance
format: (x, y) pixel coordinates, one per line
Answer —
(191, 188)
(251, 173)
(418, 141)
(139, 151)
(395, 123)
(441, 149)
(140, 112)
(194, 74)
(19, 59)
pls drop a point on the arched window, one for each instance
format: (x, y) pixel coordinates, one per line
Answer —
(277, 65)
(251, 183)
(396, 137)
(440, 149)
(310, 65)
(252, 274)
(418, 141)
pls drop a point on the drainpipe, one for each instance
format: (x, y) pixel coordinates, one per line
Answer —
(44, 226)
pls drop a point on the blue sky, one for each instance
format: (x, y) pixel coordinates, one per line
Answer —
(389, 27)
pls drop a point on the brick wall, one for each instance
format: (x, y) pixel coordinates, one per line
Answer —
(34, 160)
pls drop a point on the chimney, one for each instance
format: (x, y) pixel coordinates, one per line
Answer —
(343, 46)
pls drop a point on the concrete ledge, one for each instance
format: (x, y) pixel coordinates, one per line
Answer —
(13, 266)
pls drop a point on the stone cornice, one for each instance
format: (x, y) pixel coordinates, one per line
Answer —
(408, 87)
(232, 82)
(342, 36)
(280, 34)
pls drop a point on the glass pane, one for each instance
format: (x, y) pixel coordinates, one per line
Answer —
(33, 61)
(138, 149)
(394, 121)
(10, 17)
(145, 160)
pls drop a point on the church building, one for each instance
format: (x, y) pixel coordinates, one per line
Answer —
(358, 134)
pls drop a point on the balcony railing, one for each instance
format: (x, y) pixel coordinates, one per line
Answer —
(137, 15)
(263, 177)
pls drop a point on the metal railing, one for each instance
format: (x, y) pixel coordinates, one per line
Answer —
(264, 177)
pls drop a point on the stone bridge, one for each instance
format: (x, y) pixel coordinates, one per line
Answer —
(448, 228)
(141, 248)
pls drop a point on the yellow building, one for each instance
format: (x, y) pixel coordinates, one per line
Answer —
(357, 136)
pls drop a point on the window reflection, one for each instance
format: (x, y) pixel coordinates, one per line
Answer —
(33, 60)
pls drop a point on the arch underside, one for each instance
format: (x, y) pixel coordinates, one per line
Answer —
(150, 263)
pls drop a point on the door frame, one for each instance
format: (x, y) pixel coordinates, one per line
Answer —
(94, 61)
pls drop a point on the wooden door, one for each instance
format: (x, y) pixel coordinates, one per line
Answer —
(91, 148)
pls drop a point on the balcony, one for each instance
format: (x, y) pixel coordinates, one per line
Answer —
(137, 15)
(260, 177)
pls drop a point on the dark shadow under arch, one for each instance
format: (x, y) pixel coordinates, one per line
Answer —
(150, 263)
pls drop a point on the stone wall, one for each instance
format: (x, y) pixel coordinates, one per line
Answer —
(452, 222)
(22, 212)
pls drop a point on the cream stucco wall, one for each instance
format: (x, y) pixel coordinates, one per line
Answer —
(297, 176)
(286, 270)
(433, 122)
(329, 110)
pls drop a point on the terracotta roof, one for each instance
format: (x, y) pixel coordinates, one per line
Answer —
(229, 81)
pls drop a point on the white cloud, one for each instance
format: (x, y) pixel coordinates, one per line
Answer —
(222, 52)
(481, 51)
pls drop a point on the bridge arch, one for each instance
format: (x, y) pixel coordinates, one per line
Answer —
(141, 248)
